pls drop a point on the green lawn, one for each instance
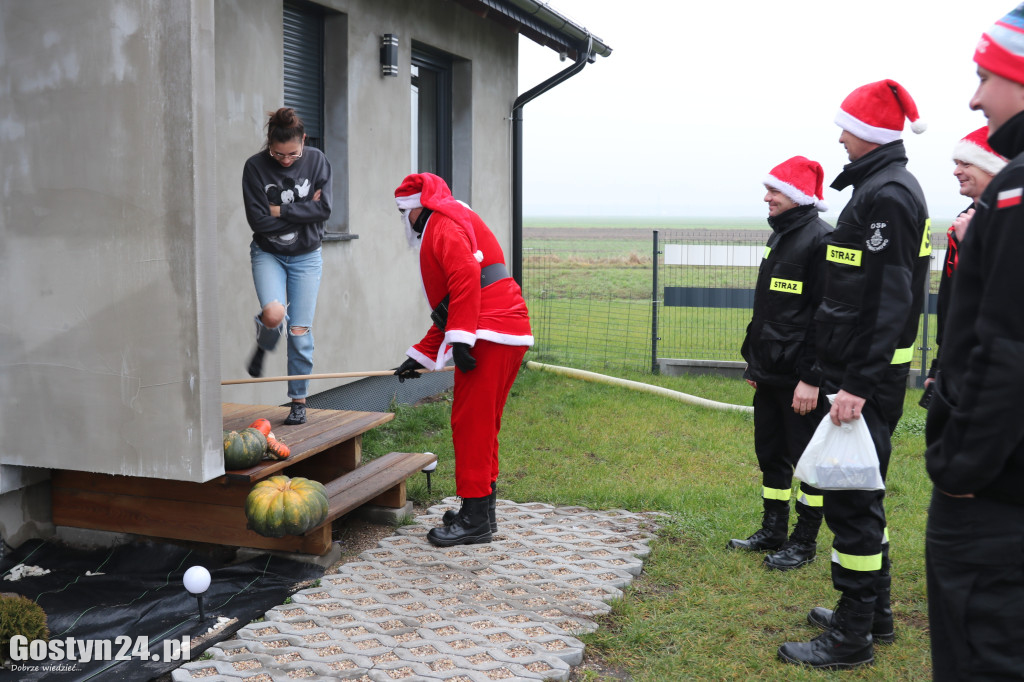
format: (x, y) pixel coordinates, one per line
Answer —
(698, 611)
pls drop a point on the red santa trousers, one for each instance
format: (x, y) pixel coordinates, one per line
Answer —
(479, 401)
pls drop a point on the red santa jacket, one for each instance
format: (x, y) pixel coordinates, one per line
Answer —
(496, 313)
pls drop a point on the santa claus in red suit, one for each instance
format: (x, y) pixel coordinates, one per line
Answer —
(481, 322)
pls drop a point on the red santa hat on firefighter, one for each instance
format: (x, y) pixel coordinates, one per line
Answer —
(974, 150)
(801, 180)
(426, 190)
(875, 112)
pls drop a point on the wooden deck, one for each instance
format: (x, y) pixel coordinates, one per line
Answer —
(327, 448)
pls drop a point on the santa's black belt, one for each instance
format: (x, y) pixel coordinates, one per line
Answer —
(488, 275)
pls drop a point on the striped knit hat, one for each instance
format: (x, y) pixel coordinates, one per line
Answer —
(1001, 48)
(974, 150)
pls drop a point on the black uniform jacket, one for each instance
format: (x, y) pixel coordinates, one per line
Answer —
(945, 290)
(779, 346)
(876, 266)
(975, 429)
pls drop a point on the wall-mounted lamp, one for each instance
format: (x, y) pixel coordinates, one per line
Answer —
(389, 54)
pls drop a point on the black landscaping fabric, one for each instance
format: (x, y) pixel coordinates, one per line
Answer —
(135, 590)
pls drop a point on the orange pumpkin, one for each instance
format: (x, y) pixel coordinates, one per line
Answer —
(262, 425)
(276, 449)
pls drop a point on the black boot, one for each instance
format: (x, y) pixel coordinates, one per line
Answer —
(847, 644)
(492, 507)
(492, 510)
(773, 532)
(802, 545)
(471, 525)
(255, 367)
(882, 629)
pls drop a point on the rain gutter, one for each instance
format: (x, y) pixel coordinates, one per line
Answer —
(582, 57)
(587, 48)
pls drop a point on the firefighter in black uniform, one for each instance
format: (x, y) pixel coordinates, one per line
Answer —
(975, 431)
(976, 164)
(779, 350)
(876, 266)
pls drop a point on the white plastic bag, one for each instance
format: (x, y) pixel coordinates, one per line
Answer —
(840, 457)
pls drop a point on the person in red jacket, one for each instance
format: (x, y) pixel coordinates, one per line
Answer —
(481, 322)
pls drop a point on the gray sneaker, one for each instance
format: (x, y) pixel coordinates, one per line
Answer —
(297, 415)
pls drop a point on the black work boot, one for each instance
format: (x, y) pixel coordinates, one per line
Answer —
(847, 644)
(802, 545)
(492, 510)
(882, 629)
(471, 525)
(773, 532)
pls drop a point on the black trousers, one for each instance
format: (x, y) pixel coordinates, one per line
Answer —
(974, 553)
(780, 436)
(857, 517)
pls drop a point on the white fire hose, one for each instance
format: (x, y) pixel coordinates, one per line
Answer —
(638, 386)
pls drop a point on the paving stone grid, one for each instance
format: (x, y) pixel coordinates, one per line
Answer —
(407, 610)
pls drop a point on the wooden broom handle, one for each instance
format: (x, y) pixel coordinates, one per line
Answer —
(334, 375)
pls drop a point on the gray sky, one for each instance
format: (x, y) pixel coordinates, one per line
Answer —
(698, 101)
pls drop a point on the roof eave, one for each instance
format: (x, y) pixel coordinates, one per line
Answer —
(540, 23)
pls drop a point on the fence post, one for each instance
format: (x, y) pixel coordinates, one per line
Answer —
(924, 323)
(654, 308)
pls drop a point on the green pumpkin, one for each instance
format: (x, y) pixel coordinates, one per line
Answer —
(243, 449)
(280, 506)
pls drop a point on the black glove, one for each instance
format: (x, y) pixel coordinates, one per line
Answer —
(407, 370)
(463, 359)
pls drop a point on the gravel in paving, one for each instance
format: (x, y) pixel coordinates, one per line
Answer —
(406, 610)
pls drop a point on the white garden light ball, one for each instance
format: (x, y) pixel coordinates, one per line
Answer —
(430, 467)
(197, 580)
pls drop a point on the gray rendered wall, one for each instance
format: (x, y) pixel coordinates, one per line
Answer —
(109, 356)
(371, 306)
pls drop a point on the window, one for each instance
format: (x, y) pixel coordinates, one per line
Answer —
(431, 82)
(304, 68)
(315, 44)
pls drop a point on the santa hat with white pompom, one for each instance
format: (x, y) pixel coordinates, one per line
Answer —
(426, 190)
(875, 112)
(800, 179)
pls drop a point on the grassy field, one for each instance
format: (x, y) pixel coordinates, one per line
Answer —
(698, 611)
(649, 222)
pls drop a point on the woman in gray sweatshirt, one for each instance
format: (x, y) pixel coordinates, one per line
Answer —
(286, 188)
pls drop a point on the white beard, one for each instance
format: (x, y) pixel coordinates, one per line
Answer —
(410, 235)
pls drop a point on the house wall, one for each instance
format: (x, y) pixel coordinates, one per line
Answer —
(128, 297)
(109, 359)
(371, 307)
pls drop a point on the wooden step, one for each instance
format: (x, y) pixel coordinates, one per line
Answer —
(327, 448)
(380, 481)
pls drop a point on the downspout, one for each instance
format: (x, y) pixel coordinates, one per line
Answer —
(517, 151)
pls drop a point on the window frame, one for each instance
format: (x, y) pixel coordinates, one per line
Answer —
(442, 66)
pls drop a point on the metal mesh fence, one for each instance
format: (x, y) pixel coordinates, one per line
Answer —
(588, 308)
(595, 305)
(376, 394)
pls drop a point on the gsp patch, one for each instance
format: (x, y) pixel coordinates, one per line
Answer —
(1009, 197)
(877, 241)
